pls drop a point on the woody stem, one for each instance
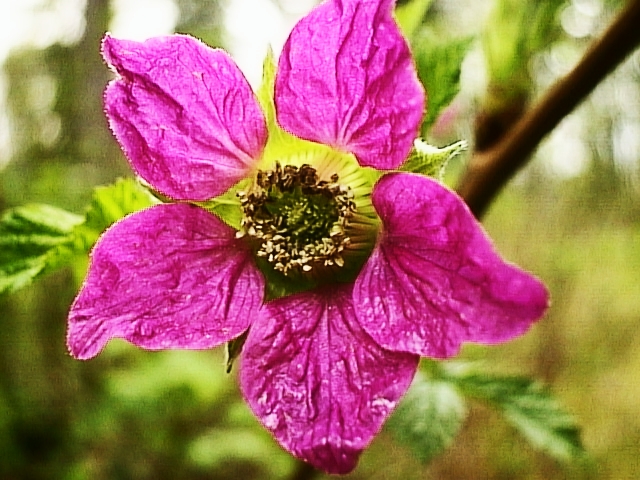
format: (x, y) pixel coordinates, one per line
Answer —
(489, 170)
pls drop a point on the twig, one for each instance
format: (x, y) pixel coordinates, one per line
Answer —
(489, 170)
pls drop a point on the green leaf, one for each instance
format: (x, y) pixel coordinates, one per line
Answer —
(439, 66)
(265, 92)
(530, 408)
(233, 349)
(429, 160)
(108, 205)
(34, 239)
(409, 16)
(428, 418)
(280, 144)
(227, 206)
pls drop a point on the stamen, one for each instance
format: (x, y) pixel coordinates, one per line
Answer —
(299, 221)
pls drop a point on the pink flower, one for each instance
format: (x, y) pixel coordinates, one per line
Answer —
(322, 368)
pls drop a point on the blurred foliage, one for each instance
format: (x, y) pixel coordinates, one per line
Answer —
(515, 32)
(202, 19)
(133, 414)
(410, 15)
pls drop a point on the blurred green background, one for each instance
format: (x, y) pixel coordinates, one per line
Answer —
(572, 217)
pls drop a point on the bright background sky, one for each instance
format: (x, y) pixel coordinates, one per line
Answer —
(251, 25)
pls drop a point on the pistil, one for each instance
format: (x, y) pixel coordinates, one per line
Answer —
(299, 221)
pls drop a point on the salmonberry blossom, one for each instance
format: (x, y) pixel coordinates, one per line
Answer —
(373, 269)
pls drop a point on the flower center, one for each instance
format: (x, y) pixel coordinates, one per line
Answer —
(300, 221)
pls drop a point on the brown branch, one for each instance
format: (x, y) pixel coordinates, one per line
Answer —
(489, 171)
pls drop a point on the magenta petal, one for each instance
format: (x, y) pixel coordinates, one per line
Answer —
(346, 78)
(184, 115)
(320, 384)
(434, 280)
(171, 276)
